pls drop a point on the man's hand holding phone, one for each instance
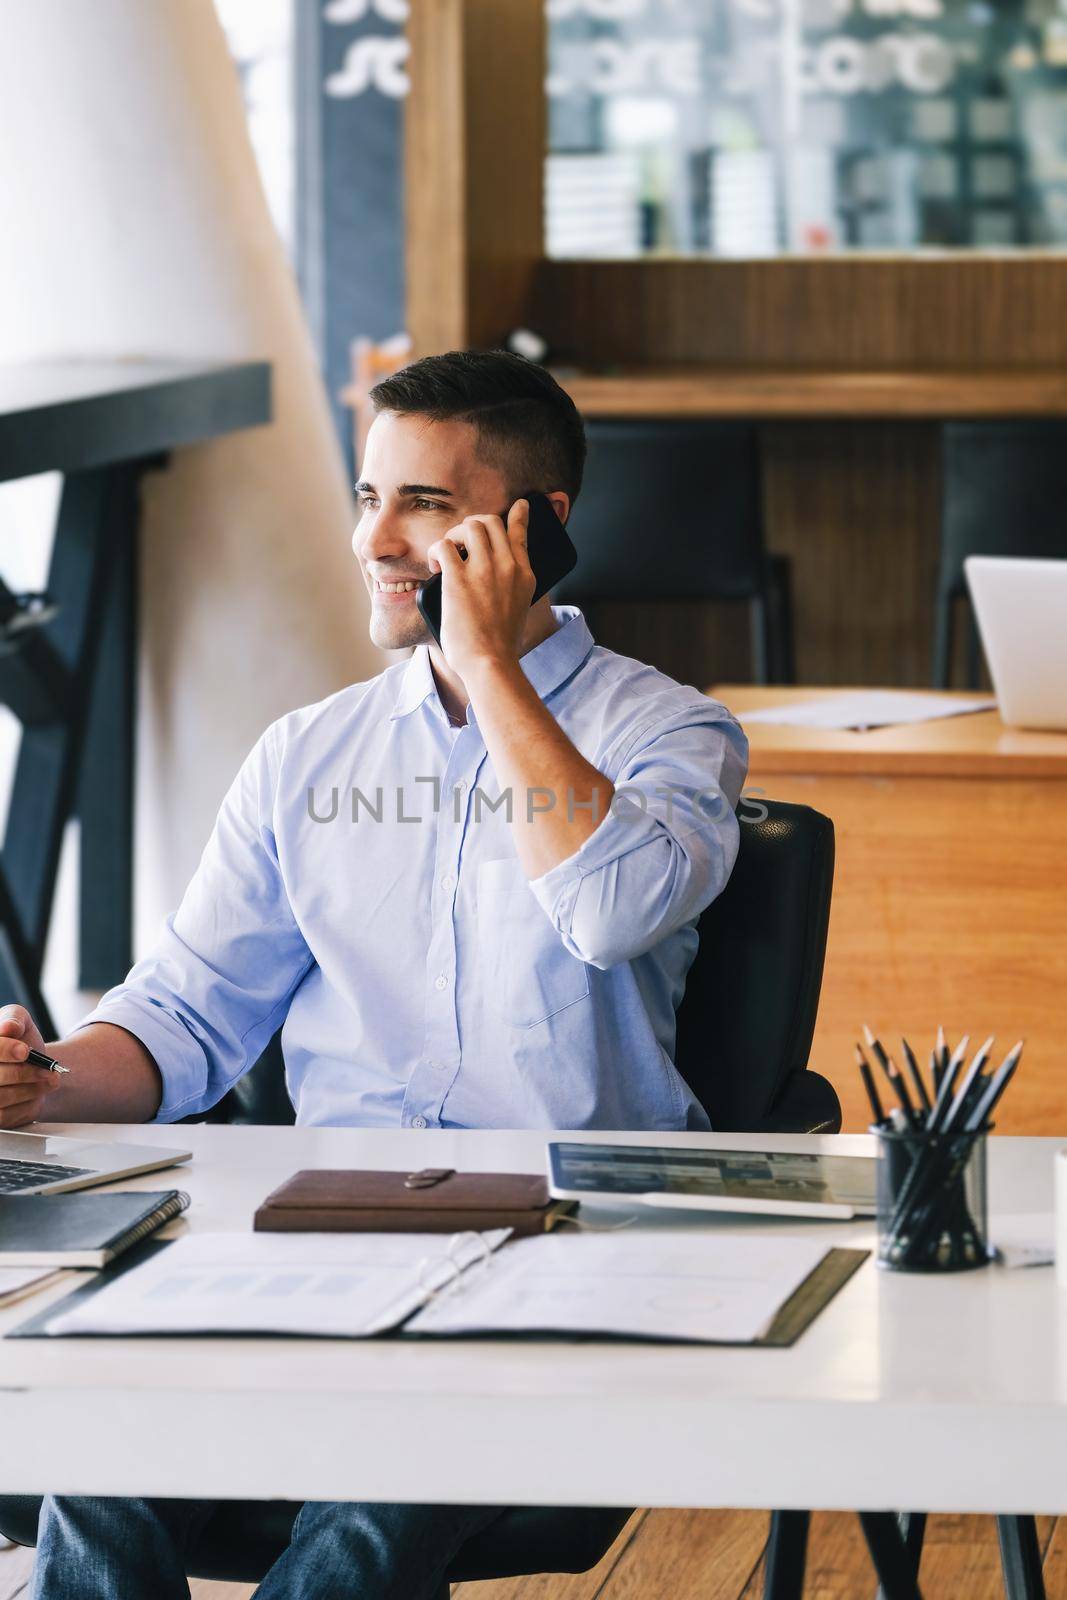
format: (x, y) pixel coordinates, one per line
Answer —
(485, 598)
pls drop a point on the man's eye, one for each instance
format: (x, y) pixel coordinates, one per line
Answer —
(430, 505)
(367, 500)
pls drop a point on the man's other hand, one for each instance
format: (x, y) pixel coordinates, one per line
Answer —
(23, 1089)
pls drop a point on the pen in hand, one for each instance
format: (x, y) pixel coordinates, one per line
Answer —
(37, 1058)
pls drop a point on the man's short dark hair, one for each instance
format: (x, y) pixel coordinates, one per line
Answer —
(527, 425)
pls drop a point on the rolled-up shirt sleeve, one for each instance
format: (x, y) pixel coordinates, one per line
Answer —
(216, 987)
(666, 847)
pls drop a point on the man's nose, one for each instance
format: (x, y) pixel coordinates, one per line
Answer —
(381, 535)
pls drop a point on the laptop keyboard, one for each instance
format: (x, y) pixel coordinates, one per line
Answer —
(15, 1175)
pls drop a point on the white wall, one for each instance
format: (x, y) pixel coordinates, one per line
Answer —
(135, 225)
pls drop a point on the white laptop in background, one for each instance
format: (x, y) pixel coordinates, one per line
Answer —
(1021, 610)
(46, 1163)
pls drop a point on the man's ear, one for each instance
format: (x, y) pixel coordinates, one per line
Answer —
(561, 503)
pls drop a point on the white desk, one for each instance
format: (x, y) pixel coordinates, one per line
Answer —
(907, 1392)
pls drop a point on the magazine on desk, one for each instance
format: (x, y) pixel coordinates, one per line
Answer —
(772, 1183)
(655, 1284)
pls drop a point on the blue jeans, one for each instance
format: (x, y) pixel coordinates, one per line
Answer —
(95, 1549)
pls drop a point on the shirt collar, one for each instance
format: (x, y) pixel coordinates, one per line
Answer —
(546, 666)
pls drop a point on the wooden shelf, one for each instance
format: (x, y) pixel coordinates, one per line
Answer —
(706, 391)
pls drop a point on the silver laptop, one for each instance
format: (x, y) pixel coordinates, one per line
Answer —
(1021, 610)
(45, 1163)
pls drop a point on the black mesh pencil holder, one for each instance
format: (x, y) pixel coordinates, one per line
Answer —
(931, 1196)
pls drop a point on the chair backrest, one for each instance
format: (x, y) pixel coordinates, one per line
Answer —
(260, 1097)
(747, 1017)
(1003, 493)
(669, 510)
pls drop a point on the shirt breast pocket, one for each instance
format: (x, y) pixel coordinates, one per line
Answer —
(528, 974)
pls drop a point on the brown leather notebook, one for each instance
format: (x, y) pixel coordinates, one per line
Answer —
(433, 1200)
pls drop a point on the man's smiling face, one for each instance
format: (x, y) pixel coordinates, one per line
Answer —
(419, 479)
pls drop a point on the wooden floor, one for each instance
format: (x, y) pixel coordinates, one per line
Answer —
(717, 1555)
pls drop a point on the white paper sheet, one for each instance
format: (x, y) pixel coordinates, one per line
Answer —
(867, 708)
(346, 1285)
(1025, 1239)
(15, 1282)
(659, 1285)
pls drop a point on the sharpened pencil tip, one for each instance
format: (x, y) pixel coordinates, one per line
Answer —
(867, 1034)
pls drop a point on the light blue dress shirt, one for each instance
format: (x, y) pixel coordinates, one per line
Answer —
(360, 887)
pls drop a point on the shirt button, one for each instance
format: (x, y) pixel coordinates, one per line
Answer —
(438, 1064)
(418, 1122)
(448, 881)
(440, 982)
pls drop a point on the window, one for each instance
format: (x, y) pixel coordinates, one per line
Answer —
(259, 34)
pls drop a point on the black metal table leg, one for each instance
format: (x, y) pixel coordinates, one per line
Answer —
(18, 970)
(1020, 1558)
(42, 792)
(106, 777)
(787, 1550)
(912, 1526)
(890, 1554)
(90, 558)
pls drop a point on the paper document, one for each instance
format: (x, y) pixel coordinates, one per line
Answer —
(18, 1281)
(1025, 1239)
(867, 708)
(349, 1285)
(655, 1285)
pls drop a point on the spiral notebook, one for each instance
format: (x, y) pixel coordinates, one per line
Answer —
(78, 1229)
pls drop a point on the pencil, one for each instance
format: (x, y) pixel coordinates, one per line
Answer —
(978, 1118)
(872, 1093)
(948, 1080)
(893, 1073)
(963, 1094)
(940, 1059)
(916, 1075)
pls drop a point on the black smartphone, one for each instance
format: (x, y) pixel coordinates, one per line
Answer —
(548, 545)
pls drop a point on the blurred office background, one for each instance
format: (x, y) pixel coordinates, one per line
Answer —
(745, 127)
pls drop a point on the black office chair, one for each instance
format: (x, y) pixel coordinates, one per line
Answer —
(673, 510)
(747, 1018)
(745, 1026)
(1003, 493)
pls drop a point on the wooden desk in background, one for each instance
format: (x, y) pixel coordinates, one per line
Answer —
(950, 890)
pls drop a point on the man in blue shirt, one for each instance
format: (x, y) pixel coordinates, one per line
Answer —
(467, 888)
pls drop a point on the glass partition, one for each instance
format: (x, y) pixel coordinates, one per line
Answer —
(752, 128)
